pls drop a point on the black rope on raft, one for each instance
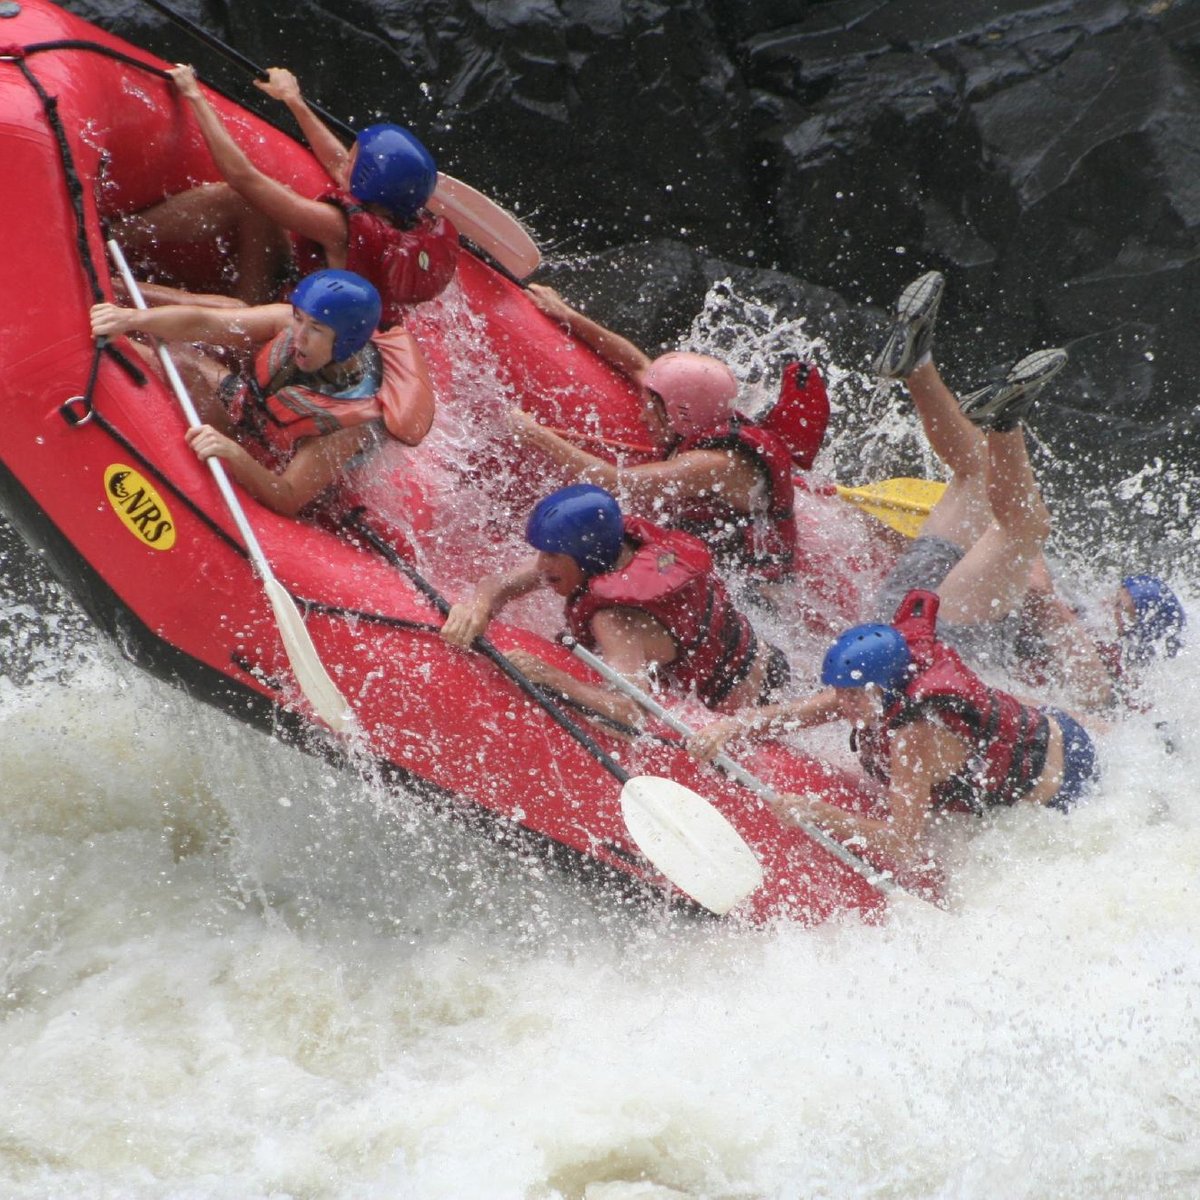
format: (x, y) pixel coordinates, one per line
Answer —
(74, 187)
(95, 47)
(75, 193)
(339, 127)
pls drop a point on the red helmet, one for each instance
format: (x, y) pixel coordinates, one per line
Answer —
(697, 390)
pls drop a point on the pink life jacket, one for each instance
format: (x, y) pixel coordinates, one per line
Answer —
(670, 577)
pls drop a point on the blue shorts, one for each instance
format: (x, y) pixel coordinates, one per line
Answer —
(1080, 766)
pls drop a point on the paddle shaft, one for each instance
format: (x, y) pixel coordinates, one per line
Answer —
(213, 42)
(193, 419)
(491, 652)
(500, 237)
(729, 767)
(310, 673)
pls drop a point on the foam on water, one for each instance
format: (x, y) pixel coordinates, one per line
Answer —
(229, 971)
(243, 975)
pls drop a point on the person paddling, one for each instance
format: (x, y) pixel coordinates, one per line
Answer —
(321, 390)
(371, 219)
(725, 478)
(645, 598)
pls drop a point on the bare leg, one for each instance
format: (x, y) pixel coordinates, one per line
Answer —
(991, 509)
(962, 514)
(214, 210)
(201, 375)
(991, 580)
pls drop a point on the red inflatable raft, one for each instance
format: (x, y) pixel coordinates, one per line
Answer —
(94, 470)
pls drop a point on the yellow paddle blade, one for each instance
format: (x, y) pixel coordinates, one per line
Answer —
(901, 503)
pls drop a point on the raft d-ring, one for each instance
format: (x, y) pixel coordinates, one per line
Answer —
(77, 410)
(9, 8)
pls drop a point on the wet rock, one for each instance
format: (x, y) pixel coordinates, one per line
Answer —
(1046, 156)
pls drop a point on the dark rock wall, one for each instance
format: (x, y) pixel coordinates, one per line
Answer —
(1046, 156)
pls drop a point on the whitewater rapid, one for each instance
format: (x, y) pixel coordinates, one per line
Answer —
(231, 971)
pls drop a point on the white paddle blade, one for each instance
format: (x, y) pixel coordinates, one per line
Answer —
(486, 224)
(321, 692)
(690, 842)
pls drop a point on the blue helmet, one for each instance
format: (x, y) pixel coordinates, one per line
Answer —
(867, 654)
(345, 302)
(1160, 618)
(392, 169)
(582, 521)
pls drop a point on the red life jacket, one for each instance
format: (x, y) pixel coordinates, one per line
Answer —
(759, 543)
(1008, 739)
(406, 265)
(800, 413)
(281, 413)
(671, 579)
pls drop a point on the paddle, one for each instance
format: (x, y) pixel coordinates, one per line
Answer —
(679, 832)
(698, 829)
(477, 218)
(321, 692)
(901, 503)
(490, 227)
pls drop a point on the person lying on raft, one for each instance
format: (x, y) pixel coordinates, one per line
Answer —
(371, 219)
(924, 724)
(644, 598)
(725, 479)
(323, 390)
(981, 546)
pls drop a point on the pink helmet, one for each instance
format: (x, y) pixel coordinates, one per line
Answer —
(698, 391)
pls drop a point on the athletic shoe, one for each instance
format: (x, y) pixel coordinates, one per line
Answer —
(1002, 404)
(909, 339)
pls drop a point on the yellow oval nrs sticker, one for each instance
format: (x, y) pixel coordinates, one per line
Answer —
(141, 509)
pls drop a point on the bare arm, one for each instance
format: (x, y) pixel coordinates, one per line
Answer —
(689, 476)
(236, 327)
(614, 349)
(315, 465)
(1072, 652)
(755, 723)
(599, 699)
(323, 223)
(922, 756)
(631, 642)
(588, 468)
(469, 619)
(282, 85)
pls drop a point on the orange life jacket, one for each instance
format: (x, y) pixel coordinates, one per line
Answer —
(281, 407)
